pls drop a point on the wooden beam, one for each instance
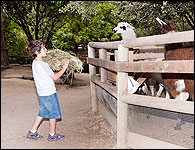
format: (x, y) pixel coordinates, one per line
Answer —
(108, 87)
(103, 72)
(171, 66)
(92, 71)
(110, 65)
(148, 56)
(177, 37)
(186, 107)
(105, 45)
(110, 117)
(122, 108)
(112, 76)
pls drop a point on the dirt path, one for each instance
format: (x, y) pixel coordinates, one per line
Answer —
(19, 107)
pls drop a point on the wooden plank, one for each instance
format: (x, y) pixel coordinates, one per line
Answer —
(112, 76)
(105, 45)
(110, 65)
(131, 56)
(136, 141)
(177, 37)
(142, 56)
(103, 72)
(92, 71)
(186, 107)
(122, 108)
(91, 54)
(171, 66)
(116, 55)
(108, 87)
(152, 47)
(148, 56)
(110, 117)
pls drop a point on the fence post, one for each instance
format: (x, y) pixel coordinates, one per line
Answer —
(92, 71)
(122, 88)
(103, 74)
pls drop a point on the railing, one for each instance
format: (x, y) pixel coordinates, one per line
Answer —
(120, 91)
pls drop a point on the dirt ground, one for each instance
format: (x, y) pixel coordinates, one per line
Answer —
(19, 107)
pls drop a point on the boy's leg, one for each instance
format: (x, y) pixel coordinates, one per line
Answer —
(53, 136)
(33, 134)
(36, 123)
(52, 125)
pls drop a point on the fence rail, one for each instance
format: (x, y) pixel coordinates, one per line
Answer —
(177, 66)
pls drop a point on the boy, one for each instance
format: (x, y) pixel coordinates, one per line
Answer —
(44, 81)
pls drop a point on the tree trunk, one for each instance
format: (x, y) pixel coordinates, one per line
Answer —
(4, 51)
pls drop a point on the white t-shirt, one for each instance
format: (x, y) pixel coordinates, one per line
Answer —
(44, 83)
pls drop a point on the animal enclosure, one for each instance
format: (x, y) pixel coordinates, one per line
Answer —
(141, 121)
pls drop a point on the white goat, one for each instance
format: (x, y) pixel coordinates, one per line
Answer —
(126, 30)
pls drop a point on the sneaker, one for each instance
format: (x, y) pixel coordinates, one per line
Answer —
(55, 137)
(35, 135)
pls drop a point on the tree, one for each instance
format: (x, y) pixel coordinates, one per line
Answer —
(4, 52)
(3, 45)
(79, 31)
(39, 19)
(142, 14)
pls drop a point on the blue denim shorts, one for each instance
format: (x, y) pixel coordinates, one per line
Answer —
(49, 107)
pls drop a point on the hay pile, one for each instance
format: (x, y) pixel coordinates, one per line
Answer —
(56, 58)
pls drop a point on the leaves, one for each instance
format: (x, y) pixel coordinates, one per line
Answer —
(69, 25)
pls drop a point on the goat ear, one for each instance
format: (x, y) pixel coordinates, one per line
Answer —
(160, 21)
(132, 27)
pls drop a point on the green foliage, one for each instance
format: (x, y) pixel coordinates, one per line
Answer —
(16, 39)
(16, 42)
(79, 31)
(70, 26)
(141, 15)
(39, 19)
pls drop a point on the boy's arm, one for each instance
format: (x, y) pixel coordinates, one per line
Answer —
(57, 75)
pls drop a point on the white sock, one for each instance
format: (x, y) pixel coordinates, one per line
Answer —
(52, 134)
(33, 131)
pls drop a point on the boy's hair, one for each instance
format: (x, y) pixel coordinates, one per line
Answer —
(33, 46)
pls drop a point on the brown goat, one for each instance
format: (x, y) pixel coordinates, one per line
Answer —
(177, 52)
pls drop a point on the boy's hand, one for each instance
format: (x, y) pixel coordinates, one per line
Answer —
(66, 64)
(57, 75)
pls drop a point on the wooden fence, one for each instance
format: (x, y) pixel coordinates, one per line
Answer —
(122, 67)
